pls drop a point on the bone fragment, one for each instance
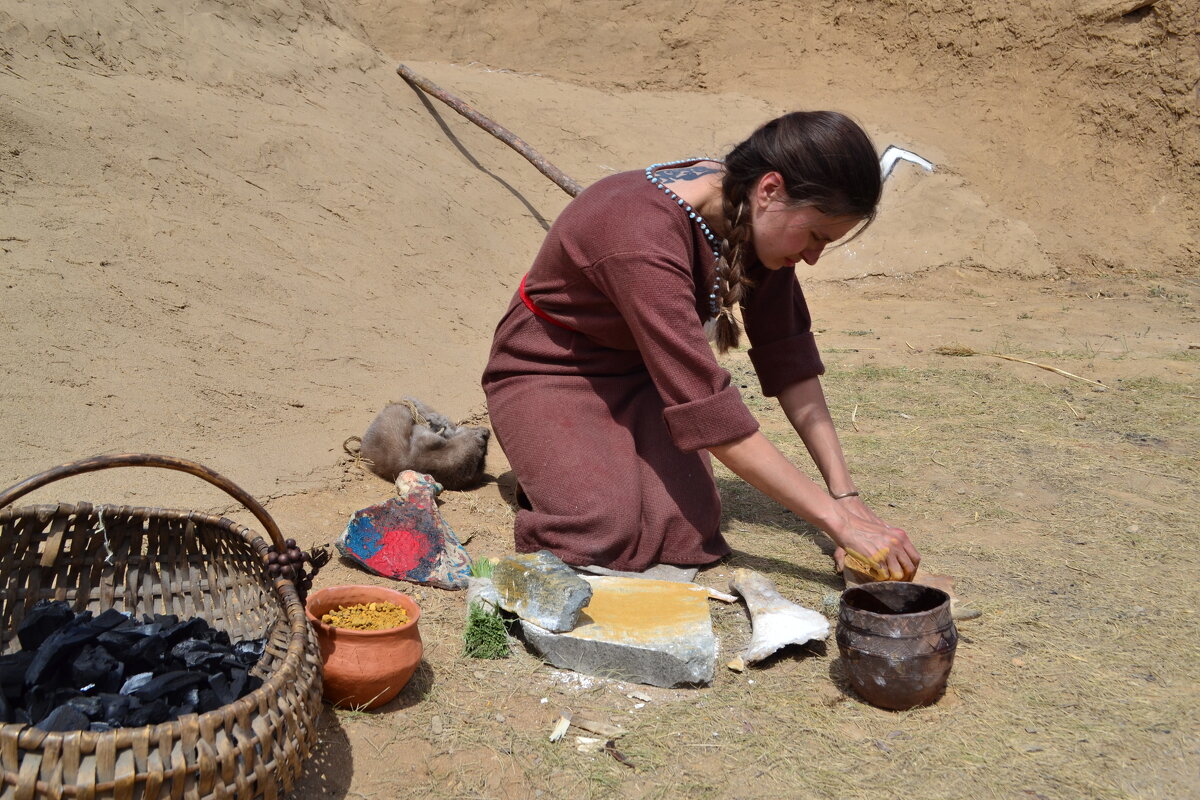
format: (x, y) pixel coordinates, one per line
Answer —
(597, 727)
(560, 727)
(724, 598)
(589, 744)
(775, 621)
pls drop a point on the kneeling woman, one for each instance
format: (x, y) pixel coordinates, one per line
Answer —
(603, 389)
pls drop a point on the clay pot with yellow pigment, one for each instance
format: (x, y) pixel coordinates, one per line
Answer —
(365, 669)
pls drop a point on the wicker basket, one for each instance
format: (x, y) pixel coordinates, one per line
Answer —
(152, 560)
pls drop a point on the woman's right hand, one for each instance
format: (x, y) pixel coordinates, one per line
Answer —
(884, 544)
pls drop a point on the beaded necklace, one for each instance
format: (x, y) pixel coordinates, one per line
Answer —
(714, 307)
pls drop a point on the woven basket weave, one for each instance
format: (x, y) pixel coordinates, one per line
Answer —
(153, 560)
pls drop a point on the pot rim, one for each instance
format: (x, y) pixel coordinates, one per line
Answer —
(844, 606)
(389, 596)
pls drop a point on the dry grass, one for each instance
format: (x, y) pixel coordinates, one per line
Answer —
(1068, 517)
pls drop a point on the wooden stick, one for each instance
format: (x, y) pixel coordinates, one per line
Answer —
(565, 183)
(1055, 370)
(958, 350)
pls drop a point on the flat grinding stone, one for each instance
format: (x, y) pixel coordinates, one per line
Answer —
(646, 631)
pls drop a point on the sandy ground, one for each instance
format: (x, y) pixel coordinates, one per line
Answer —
(231, 233)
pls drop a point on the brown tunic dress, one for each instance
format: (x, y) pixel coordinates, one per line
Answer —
(605, 421)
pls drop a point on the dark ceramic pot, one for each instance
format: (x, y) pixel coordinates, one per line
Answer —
(365, 669)
(897, 642)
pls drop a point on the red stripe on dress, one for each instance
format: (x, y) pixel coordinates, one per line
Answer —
(525, 298)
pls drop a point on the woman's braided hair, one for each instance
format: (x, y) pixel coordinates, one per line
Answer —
(827, 162)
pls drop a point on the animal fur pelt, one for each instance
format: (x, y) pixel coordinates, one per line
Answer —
(410, 435)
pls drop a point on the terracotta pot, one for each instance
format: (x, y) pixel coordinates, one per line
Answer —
(365, 669)
(897, 642)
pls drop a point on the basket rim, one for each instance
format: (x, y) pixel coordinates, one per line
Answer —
(300, 640)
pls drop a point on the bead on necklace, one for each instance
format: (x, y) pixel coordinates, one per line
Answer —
(713, 305)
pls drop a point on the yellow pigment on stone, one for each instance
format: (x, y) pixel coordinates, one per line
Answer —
(640, 611)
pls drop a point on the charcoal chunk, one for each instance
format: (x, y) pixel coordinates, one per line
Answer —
(136, 682)
(116, 708)
(197, 654)
(92, 706)
(208, 700)
(111, 619)
(96, 666)
(64, 718)
(219, 638)
(249, 651)
(220, 686)
(118, 640)
(147, 652)
(188, 629)
(41, 700)
(150, 713)
(12, 672)
(43, 619)
(60, 646)
(166, 684)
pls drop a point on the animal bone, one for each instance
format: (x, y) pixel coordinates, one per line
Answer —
(893, 154)
(775, 621)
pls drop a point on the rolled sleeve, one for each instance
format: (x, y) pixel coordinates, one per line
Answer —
(710, 421)
(783, 362)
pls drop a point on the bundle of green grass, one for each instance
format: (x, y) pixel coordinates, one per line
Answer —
(486, 632)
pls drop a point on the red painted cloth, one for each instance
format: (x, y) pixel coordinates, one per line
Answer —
(605, 421)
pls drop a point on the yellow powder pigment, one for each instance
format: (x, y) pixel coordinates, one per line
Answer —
(367, 616)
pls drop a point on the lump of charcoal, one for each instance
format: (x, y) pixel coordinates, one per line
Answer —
(223, 688)
(165, 620)
(119, 640)
(193, 628)
(195, 654)
(95, 666)
(150, 713)
(64, 718)
(92, 706)
(12, 672)
(116, 708)
(238, 683)
(147, 653)
(208, 700)
(167, 684)
(249, 651)
(136, 682)
(217, 637)
(60, 647)
(111, 619)
(41, 700)
(43, 619)
(187, 702)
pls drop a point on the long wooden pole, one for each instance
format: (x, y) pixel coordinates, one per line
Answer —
(565, 183)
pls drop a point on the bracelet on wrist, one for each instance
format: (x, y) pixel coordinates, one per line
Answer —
(843, 495)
